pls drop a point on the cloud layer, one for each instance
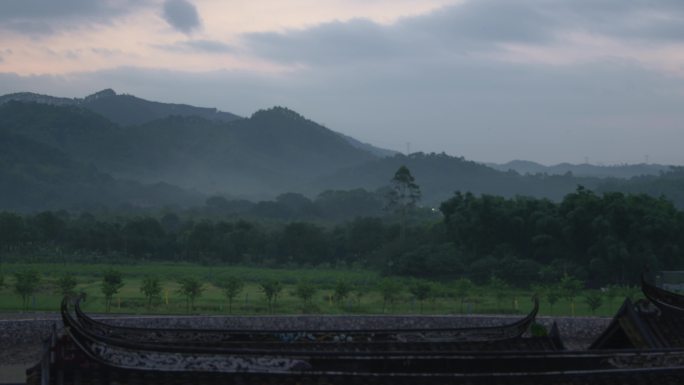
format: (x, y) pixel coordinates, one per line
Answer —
(198, 46)
(42, 17)
(181, 15)
(485, 26)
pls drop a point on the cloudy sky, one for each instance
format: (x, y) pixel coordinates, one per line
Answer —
(492, 80)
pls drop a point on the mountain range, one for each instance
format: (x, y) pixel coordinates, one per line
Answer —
(123, 109)
(120, 150)
(615, 171)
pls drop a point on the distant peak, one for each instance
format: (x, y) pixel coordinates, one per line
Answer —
(106, 93)
(277, 111)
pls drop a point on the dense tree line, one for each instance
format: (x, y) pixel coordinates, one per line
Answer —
(599, 239)
(328, 206)
(60, 237)
(669, 184)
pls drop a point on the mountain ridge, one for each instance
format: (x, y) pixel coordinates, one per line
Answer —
(123, 109)
(624, 171)
(273, 151)
(71, 155)
(127, 110)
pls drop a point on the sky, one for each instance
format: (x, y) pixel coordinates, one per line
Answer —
(491, 80)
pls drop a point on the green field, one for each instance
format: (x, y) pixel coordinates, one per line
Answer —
(251, 301)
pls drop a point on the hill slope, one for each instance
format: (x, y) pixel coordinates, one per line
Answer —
(36, 176)
(127, 110)
(274, 151)
(54, 152)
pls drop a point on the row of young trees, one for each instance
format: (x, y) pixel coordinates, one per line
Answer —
(343, 294)
(26, 284)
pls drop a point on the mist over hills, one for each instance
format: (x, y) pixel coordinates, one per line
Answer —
(35, 176)
(113, 150)
(273, 151)
(440, 175)
(614, 171)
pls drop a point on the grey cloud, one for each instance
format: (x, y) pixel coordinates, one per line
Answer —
(181, 15)
(482, 21)
(38, 17)
(105, 52)
(209, 46)
(72, 54)
(328, 43)
(473, 26)
(656, 20)
(31, 28)
(48, 9)
(669, 29)
(199, 46)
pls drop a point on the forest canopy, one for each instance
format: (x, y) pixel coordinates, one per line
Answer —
(598, 238)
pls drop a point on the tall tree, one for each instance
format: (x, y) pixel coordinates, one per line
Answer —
(421, 290)
(271, 290)
(571, 288)
(341, 291)
(190, 288)
(594, 299)
(500, 289)
(26, 283)
(359, 292)
(231, 286)
(463, 288)
(390, 289)
(305, 290)
(111, 283)
(151, 288)
(66, 284)
(553, 294)
(403, 195)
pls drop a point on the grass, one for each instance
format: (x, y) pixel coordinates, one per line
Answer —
(251, 300)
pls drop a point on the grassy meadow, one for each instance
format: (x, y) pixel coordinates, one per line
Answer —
(252, 301)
